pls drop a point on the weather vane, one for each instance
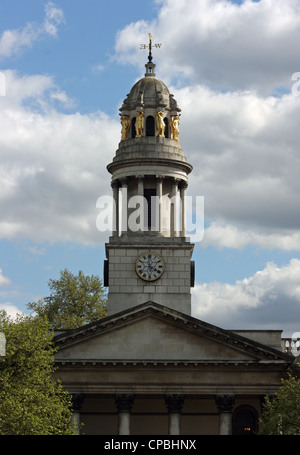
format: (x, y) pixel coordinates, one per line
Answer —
(144, 46)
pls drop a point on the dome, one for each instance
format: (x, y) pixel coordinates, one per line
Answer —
(149, 92)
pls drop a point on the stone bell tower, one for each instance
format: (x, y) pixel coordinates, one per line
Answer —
(148, 254)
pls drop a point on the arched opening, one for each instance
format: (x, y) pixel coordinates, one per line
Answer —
(245, 421)
(150, 126)
(166, 127)
(133, 132)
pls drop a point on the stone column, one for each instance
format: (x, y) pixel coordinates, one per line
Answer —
(183, 187)
(174, 404)
(124, 402)
(124, 186)
(77, 399)
(173, 211)
(159, 181)
(225, 404)
(115, 188)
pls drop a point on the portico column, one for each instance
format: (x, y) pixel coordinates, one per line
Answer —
(174, 404)
(183, 187)
(173, 211)
(124, 402)
(159, 181)
(77, 399)
(115, 188)
(124, 186)
(225, 404)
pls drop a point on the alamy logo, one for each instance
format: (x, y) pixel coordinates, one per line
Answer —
(296, 85)
(140, 214)
(2, 84)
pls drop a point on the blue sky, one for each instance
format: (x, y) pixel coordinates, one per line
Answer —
(69, 65)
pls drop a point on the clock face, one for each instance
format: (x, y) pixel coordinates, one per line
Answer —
(149, 266)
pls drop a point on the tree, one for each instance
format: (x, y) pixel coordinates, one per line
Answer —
(31, 401)
(73, 301)
(281, 414)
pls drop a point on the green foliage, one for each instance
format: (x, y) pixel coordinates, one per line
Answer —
(281, 414)
(31, 401)
(73, 301)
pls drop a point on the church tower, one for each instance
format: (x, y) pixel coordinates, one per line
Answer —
(148, 254)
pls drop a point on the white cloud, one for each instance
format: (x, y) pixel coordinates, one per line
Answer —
(230, 236)
(97, 68)
(242, 143)
(63, 98)
(244, 149)
(53, 18)
(268, 299)
(225, 61)
(53, 166)
(12, 42)
(229, 46)
(3, 279)
(11, 309)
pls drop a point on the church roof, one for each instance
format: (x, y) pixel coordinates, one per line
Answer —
(150, 92)
(195, 341)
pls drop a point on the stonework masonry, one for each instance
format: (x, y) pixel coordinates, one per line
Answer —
(126, 289)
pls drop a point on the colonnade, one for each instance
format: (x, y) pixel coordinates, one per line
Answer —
(177, 185)
(174, 404)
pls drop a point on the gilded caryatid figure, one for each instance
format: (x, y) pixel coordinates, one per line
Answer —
(125, 121)
(160, 124)
(175, 127)
(139, 124)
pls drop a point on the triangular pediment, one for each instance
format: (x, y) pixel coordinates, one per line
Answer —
(154, 333)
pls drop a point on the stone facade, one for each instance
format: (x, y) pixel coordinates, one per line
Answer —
(151, 354)
(126, 289)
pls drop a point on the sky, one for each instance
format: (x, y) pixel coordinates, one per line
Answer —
(234, 69)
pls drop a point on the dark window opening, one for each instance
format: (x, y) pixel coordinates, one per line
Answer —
(245, 421)
(166, 127)
(150, 126)
(150, 209)
(133, 132)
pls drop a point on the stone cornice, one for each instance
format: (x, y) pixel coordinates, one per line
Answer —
(261, 353)
(155, 161)
(170, 363)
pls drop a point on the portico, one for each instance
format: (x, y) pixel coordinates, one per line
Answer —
(184, 377)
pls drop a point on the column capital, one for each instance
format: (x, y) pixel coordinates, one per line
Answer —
(160, 178)
(175, 181)
(124, 181)
(174, 402)
(124, 401)
(115, 184)
(183, 184)
(225, 402)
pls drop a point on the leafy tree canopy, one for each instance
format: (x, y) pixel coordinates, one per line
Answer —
(75, 300)
(31, 401)
(281, 414)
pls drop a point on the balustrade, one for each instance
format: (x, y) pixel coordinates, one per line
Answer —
(291, 345)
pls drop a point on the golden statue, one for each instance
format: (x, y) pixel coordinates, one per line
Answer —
(125, 121)
(139, 124)
(175, 127)
(160, 124)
